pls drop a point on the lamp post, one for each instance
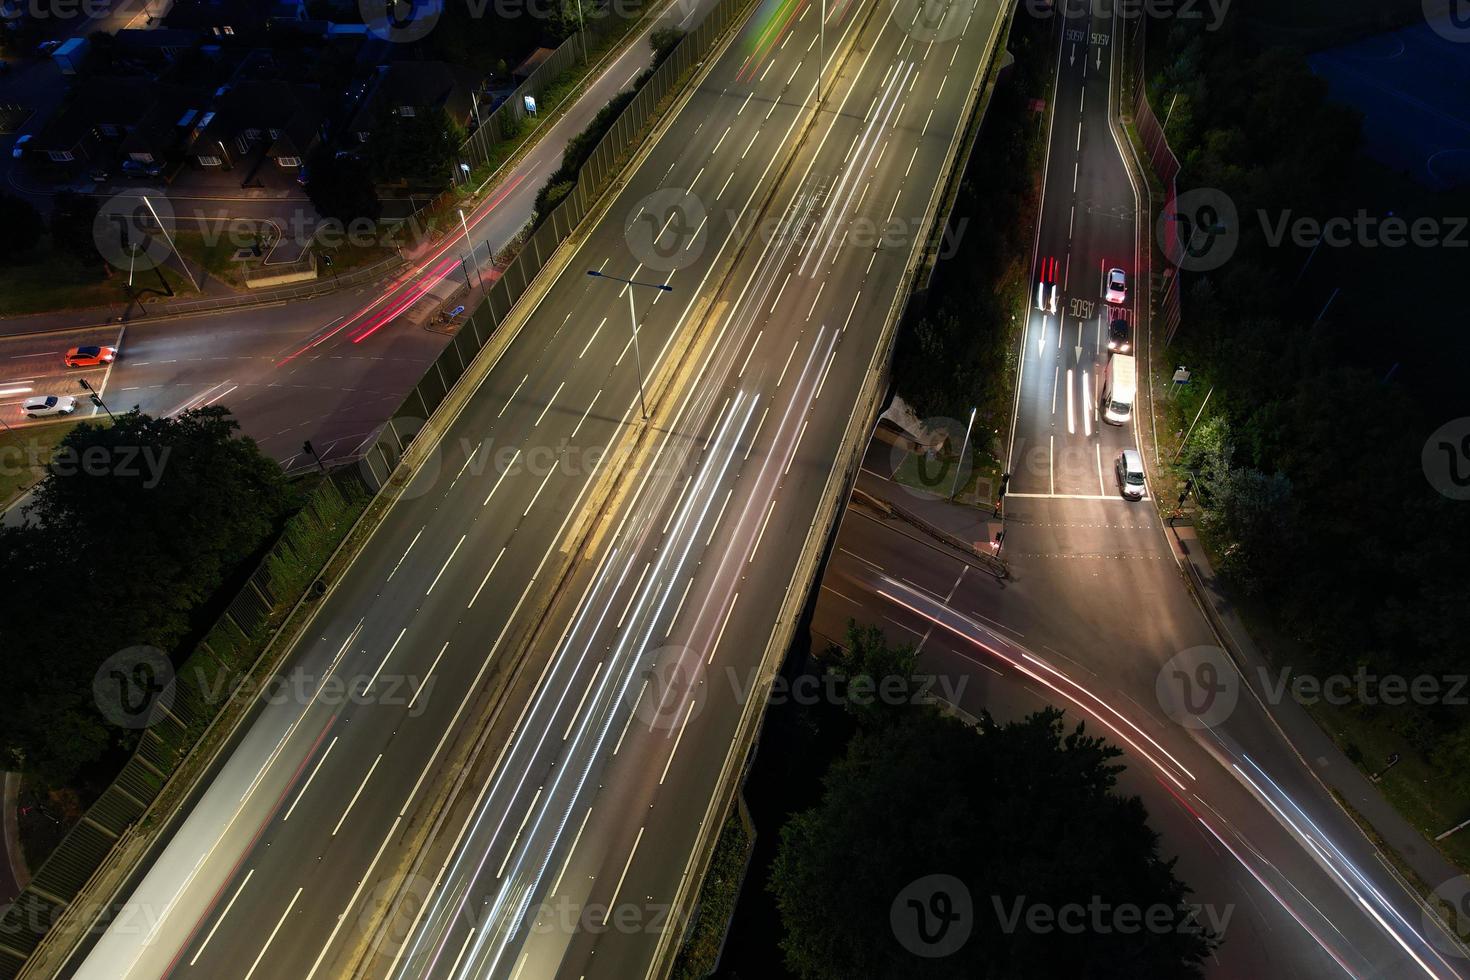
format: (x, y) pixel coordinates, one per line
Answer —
(633, 322)
(960, 466)
(470, 245)
(169, 238)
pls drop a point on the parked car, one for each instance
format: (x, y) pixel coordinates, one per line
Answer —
(1120, 336)
(19, 149)
(1128, 468)
(44, 406)
(90, 356)
(99, 174)
(44, 49)
(1117, 290)
(136, 168)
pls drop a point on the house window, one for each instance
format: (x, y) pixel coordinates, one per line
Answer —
(250, 134)
(288, 161)
(229, 30)
(406, 110)
(141, 157)
(60, 156)
(205, 161)
(275, 134)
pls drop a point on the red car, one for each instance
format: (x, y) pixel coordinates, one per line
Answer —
(90, 356)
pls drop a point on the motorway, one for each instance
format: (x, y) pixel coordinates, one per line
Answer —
(1095, 618)
(313, 819)
(332, 368)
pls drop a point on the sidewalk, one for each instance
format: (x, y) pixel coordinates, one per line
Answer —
(1320, 753)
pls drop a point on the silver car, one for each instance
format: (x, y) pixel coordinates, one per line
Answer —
(1128, 468)
(44, 406)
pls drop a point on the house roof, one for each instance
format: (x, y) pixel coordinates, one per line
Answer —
(293, 109)
(421, 84)
(535, 60)
(95, 102)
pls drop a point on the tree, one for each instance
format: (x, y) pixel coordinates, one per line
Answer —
(341, 187)
(23, 227)
(1025, 814)
(145, 520)
(418, 149)
(73, 221)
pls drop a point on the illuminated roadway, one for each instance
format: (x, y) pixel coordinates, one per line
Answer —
(315, 809)
(1095, 613)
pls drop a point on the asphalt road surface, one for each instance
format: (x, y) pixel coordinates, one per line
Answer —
(309, 820)
(1097, 620)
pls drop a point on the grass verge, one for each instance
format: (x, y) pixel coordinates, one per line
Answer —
(700, 953)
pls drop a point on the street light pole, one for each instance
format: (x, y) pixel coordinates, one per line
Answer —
(169, 238)
(471, 245)
(821, 50)
(960, 466)
(1201, 411)
(633, 322)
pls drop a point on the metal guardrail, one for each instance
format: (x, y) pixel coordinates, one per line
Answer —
(215, 665)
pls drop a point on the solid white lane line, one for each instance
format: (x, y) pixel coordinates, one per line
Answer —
(777, 300)
(549, 402)
(756, 433)
(1101, 487)
(272, 937)
(229, 905)
(634, 594)
(591, 338)
(750, 353)
(353, 801)
(716, 526)
(792, 458)
(725, 185)
(641, 691)
(612, 902)
(572, 721)
(453, 970)
(484, 580)
(424, 685)
(457, 546)
(769, 511)
(585, 414)
(352, 902)
(512, 397)
(787, 364)
(678, 609)
(304, 787)
(405, 554)
(556, 886)
(677, 739)
(503, 474)
(549, 474)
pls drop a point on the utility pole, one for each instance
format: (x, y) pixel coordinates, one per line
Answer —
(960, 466)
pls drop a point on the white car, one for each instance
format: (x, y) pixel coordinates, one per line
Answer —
(1128, 468)
(43, 406)
(19, 149)
(1117, 291)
